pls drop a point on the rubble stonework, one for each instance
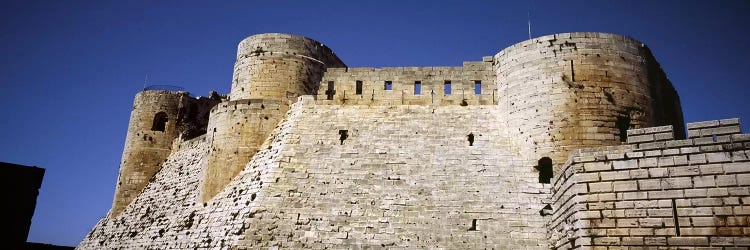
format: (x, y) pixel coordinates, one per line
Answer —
(305, 153)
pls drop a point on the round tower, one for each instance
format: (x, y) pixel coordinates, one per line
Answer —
(271, 71)
(151, 131)
(280, 67)
(579, 90)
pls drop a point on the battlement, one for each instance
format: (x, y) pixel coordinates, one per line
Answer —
(471, 84)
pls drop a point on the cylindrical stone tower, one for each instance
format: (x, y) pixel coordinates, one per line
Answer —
(280, 67)
(579, 90)
(151, 131)
(271, 71)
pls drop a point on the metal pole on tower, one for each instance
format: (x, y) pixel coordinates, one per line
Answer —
(145, 82)
(528, 17)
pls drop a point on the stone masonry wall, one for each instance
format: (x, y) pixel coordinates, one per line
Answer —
(657, 191)
(577, 90)
(340, 85)
(403, 177)
(236, 131)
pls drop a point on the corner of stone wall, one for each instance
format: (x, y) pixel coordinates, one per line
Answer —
(656, 191)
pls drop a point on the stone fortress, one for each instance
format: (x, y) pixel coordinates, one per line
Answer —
(566, 141)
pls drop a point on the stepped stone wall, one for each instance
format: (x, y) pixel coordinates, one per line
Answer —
(397, 182)
(307, 189)
(657, 191)
(169, 213)
(236, 131)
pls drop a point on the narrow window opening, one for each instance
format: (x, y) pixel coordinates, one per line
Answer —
(572, 72)
(477, 87)
(160, 122)
(418, 87)
(447, 88)
(330, 91)
(473, 225)
(715, 138)
(676, 219)
(388, 85)
(623, 124)
(470, 137)
(343, 134)
(544, 166)
(359, 87)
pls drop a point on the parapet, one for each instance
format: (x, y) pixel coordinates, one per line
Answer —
(471, 84)
(656, 191)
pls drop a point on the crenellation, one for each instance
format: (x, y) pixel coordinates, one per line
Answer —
(572, 141)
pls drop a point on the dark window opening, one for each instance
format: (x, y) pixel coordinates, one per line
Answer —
(388, 85)
(572, 72)
(343, 135)
(330, 91)
(623, 124)
(544, 166)
(477, 87)
(417, 87)
(359, 87)
(470, 137)
(473, 225)
(160, 122)
(447, 87)
(715, 138)
(676, 220)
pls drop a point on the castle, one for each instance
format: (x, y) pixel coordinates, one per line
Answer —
(572, 140)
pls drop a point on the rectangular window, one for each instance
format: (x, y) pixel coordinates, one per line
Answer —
(359, 87)
(477, 87)
(388, 85)
(330, 91)
(417, 87)
(447, 88)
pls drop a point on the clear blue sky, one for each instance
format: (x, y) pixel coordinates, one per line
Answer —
(69, 69)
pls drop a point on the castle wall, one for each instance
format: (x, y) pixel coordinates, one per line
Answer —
(305, 189)
(657, 191)
(402, 177)
(403, 91)
(236, 131)
(147, 143)
(575, 90)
